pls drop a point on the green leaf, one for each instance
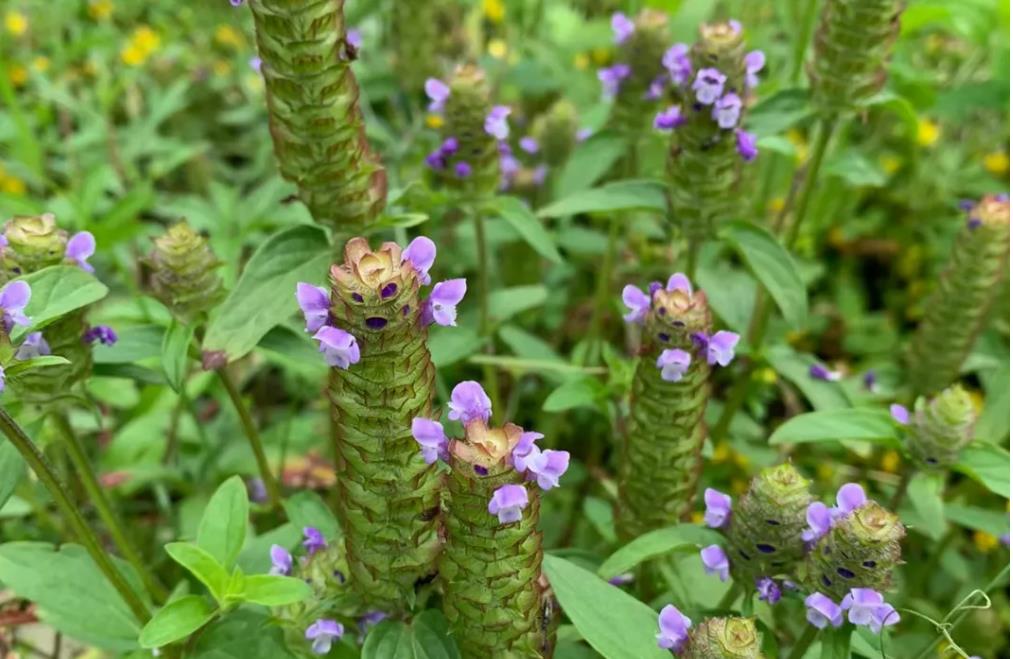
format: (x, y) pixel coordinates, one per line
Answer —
(22, 366)
(175, 353)
(12, 470)
(611, 621)
(201, 565)
(794, 367)
(628, 195)
(519, 216)
(773, 266)
(246, 633)
(426, 638)
(132, 345)
(778, 112)
(578, 392)
(508, 302)
(265, 293)
(856, 170)
(222, 529)
(274, 590)
(995, 522)
(449, 345)
(925, 492)
(176, 620)
(589, 161)
(859, 424)
(56, 291)
(306, 508)
(988, 464)
(682, 537)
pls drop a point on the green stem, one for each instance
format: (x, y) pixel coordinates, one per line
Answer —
(82, 467)
(729, 598)
(803, 642)
(44, 471)
(826, 131)
(270, 483)
(484, 325)
(996, 581)
(803, 36)
(905, 480)
(601, 299)
(747, 603)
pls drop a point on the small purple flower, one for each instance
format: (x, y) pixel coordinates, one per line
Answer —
(735, 25)
(102, 333)
(256, 490)
(462, 169)
(727, 110)
(315, 304)
(3, 379)
(582, 134)
(669, 118)
(313, 540)
(435, 161)
(638, 302)
(819, 519)
(715, 561)
(539, 173)
(653, 288)
(673, 628)
(323, 633)
(14, 297)
(679, 282)
(973, 223)
(529, 144)
(673, 364)
(33, 346)
(754, 61)
(676, 61)
(421, 253)
(822, 611)
(256, 64)
(1004, 538)
(769, 591)
(611, 78)
(438, 93)
(449, 146)
(745, 144)
(507, 503)
(622, 27)
(821, 372)
(547, 466)
(339, 347)
(496, 122)
(900, 414)
(866, 608)
(719, 508)
(849, 497)
(354, 38)
(431, 438)
(80, 248)
(468, 401)
(656, 89)
(236, 3)
(720, 347)
(281, 561)
(623, 579)
(441, 307)
(525, 446)
(869, 380)
(708, 85)
(370, 619)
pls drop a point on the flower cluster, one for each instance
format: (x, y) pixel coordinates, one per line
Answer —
(865, 608)
(446, 156)
(940, 427)
(712, 637)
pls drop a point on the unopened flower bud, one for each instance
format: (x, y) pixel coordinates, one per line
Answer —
(941, 427)
(183, 272)
(723, 638)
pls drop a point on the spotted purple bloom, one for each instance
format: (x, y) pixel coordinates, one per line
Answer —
(676, 61)
(673, 364)
(315, 304)
(708, 85)
(421, 253)
(323, 633)
(33, 346)
(496, 122)
(622, 27)
(754, 61)
(507, 503)
(866, 608)
(468, 401)
(669, 118)
(638, 302)
(611, 78)
(438, 93)
(673, 628)
(441, 307)
(80, 248)
(281, 560)
(769, 591)
(431, 438)
(529, 144)
(822, 611)
(14, 297)
(354, 38)
(715, 561)
(900, 414)
(818, 517)
(745, 144)
(727, 110)
(719, 508)
(547, 466)
(102, 333)
(720, 348)
(338, 346)
(821, 372)
(462, 169)
(313, 540)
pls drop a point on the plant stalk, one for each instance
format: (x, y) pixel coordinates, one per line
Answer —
(803, 642)
(250, 430)
(484, 325)
(957, 619)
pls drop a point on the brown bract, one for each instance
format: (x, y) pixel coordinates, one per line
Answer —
(484, 446)
(366, 270)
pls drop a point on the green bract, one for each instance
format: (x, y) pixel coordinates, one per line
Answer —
(723, 638)
(641, 52)
(183, 273)
(941, 427)
(464, 120)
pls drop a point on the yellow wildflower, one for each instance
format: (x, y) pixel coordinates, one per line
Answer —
(985, 542)
(226, 35)
(890, 163)
(696, 517)
(434, 120)
(890, 461)
(16, 23)
(143, 42)
(768, 375)
(100, 9)
(40, 64)
(494, 10)
(132, 56)
(11, 185)
(18, 75)
(799, 142)
(498, 48)
(977, 400)
(996, 163)
(721, 452)
(221, 67)
(581, 61)
(601, 55)
(928, 132)
(776, 205)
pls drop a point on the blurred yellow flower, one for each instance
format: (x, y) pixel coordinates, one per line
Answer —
(740, 459)
(824, 472)
(890, 461)
(226, 35)
(494, 10)
(40, 64)
(928, 132)
(890, 163)
(143, 42)
(99, 9)
(18, 75)
(721, 452)
(581, 61)
(775, 205)
(739, 486)
(799, 142)
(985, 541)
(497, 48)
(977, 400)
(16, 23)
(601, 55)
(996, 163)
(696, 517)
(221, 67)
(11, 185)
(434, 120)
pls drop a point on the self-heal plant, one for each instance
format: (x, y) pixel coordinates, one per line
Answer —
(939, 428)
(636, 80)
(711, 638)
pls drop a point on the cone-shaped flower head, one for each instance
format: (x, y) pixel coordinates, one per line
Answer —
(33, 243)
(476, 126)
(637, 80)
(723, 638)
(183, 272)
(941, 427)
(720, 46)
(555, 132)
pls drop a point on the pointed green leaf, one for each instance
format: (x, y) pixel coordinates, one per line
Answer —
(56, 291)
(860, 424)
(519, 216)
(222, 529)
(176, 620)
(175, 353)
(679, 538)
(773, 266)
(988, 464)
(201, 565)
(426, 638)
(646, 195)
(274, 590)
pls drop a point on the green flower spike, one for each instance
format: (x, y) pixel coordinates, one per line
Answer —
(325, 570)
(417, 30)
(389, 496)
(850, 51)
(472, 165)
(183, 273)
(313, 101)
(941, 427)
(641, 54)
(957, 309)
(765, 531)
(556, 132)
(660, 462)
(723, 638)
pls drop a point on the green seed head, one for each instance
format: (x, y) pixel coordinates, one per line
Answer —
(34, 242)
(723, 638)
(556, 132)
(941, 427)
(183, 273)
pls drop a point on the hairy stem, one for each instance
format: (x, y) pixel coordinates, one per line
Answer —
(270, 483)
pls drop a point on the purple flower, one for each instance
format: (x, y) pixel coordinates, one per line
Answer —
(582, 134)
(547, 466)
(727, 110)
(441, 307)
(315, 304)
(715, 561)
(468, 401)
(745, 144)
(866, 608)
(869, 380)
(676, 61)
(821, 372)
(525, 446)
(821, 611)
(236, 3)
(256, 490)
(719, 508)
(673, 364)
(102, 333)
(354, 38)
(849, 497)
(673, 628)
(421, 253)
(611, 77)
(623, 579)
(438, 93)
(656, 89)
(507, 503)
(429, 434)
(966, 205)
(313, 540)
(323, 633)
(720, 347)
(735, 25)
(819, 519)
(529, 144)
(539, 173)
(256, 63)
(3, 379)
(768, 589)
(900, 414)
(339, 347)
(622, 27)
(435, 161)
(754, 61)
(14, 297)
(462, 169)
(496, 122)
(638, 302)
(669, 118)
(80, 248)
(679, 282)
(370, 619)
(34, 345)
(281, 560)
(708, 85)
